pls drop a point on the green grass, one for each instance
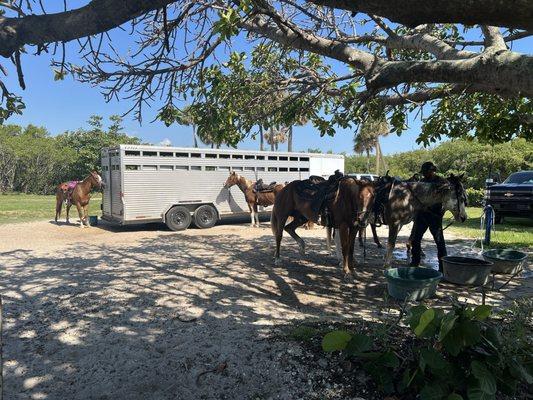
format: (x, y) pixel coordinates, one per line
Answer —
(513, 232)
(28, 207)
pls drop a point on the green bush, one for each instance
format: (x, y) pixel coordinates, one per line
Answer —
(475, 196)
(459, 354)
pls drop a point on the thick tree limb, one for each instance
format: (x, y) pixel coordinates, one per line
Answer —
(516, 14)
(96, 17)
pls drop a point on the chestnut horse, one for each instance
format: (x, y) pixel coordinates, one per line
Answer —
(253, 198)
(79, 195)
(349, 210)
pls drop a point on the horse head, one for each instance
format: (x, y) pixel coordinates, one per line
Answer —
(365, 202)
(233, 179)
(456, 201)
(97, 180)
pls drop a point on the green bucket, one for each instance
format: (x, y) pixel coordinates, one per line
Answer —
(506, 261)
(412, 283)
(93, 220)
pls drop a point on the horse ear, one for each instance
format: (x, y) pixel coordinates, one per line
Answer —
(387, 174)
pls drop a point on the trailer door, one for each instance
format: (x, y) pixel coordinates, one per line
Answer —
(106, 176)
(117, 205)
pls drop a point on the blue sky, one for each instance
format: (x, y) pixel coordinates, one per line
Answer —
(67, 105)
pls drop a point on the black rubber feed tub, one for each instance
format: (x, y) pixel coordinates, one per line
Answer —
(506, 261)
(466, 270)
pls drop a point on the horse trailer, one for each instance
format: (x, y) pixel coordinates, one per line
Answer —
(177, 185)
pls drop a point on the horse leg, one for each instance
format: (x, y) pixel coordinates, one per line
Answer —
(86, 215)
(80, 213)
(375, 236)
(351, 261)
(329, 231)
(361, 232)
(344, 233)
(256, 213)
(394, 229)
(59, 205)
(252, 217)
(277, 223)
(68, 211)
(291, 230)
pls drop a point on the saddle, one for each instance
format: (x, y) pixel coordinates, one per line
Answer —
(318, 191)
(260, 187)
(70, 186)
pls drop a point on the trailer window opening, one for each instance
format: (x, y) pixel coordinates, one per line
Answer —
(182, 167)
(166, 154)
(223, 156)
(304, 169)
(132, 153)
(210, 168)
(196, 167)
(249, 168)
(196, 155)
(237, 156)
(260, 157)
(283, 158)
(150, 153)
(283, 169)
(304, 158)
(132, 167)
(272, 157)
(166, 168)
(272, 169)
(149, 167)
(260, 168)
(182, 155)
(293, 169)
(223, 168)
(210, 155)
(294, 158)
(236, 168)
(249, 157)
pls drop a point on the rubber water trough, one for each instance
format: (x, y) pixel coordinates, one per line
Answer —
(506, 261)
(412, 283)
(466, 270)
(93, 220)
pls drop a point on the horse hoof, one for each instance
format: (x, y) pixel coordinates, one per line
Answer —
(348, 277)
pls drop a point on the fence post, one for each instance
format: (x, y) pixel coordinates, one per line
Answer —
(489, 220)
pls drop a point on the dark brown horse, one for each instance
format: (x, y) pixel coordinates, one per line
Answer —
(253, 198)
(349, 209)
(79, 194)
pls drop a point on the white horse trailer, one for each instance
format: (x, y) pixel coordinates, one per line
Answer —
(178, 185)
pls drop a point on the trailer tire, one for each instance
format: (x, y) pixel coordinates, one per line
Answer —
(205, 216)
(178, 218)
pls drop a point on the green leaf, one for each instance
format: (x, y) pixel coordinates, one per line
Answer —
(474, 392)
(425, 320)
(414, 315)
(336, 340)
(447, 325)
(389, 359)
(520, 372)
(432, 391)
(454, 396)
(434, 359)
(486, 380)
(482, 312)
(359, 343)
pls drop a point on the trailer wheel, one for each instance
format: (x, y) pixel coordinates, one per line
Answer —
(205, 216)
(178, 218)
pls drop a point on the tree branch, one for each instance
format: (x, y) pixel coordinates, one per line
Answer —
(96, 17)
(516, 14)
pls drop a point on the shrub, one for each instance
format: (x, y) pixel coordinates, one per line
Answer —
(475, 196)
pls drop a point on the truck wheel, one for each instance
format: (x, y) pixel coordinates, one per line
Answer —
(205, 216)
(178, 218)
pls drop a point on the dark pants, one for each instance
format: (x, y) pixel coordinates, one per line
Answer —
(422, 222)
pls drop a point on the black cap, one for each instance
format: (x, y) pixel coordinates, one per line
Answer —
(428, 166)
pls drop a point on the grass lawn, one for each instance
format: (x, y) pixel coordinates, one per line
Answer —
(513, 232)
(29, 207)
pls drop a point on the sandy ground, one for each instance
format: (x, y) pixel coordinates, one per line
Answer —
(145, 313)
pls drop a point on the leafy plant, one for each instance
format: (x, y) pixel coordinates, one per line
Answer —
(459, 354)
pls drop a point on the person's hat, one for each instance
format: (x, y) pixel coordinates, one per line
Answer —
(428, 166)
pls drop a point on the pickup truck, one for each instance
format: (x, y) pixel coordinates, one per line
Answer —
(513, 197)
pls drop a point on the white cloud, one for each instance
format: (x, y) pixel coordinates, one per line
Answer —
(165, 142)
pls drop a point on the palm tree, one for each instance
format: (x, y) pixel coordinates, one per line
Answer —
(186, 117)
(368, 138)
(275, 136)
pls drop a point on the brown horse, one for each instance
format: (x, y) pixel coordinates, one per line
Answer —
(349, 209)
(253, 198)
(78, 194)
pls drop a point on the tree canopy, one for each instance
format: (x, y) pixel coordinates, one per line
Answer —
(333, 61)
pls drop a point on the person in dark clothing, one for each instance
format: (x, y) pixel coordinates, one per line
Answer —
(429, 218)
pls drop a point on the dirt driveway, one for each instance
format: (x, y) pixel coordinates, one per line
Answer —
(145, 313)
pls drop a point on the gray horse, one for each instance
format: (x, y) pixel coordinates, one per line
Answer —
(406, 198)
